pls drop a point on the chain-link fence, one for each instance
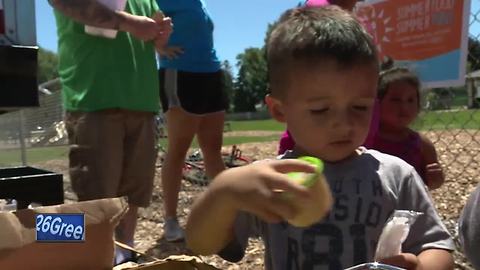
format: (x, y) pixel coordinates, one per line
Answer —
(25, 134)
(451, 118)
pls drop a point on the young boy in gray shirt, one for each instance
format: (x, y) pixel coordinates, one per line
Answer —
(323, 73)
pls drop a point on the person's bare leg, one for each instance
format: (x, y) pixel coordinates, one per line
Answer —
(210, 139)
(125, 233)
(181, 128)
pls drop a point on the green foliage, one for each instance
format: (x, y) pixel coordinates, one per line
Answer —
(473, 54)
(268, 33)
(47, 65)
(251, 84)
(445, 98)
(228, 81)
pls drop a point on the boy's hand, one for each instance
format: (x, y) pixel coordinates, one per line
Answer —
(405, 260)
(257, 188)
(433, 175)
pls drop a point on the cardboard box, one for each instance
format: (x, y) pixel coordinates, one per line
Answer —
(31, 185)
(19, 250)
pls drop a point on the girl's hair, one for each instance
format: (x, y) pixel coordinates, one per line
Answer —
(397, 74)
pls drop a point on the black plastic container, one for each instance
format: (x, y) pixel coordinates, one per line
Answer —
(18, 77)
(28, 184)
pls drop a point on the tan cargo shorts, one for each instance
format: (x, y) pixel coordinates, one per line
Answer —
(112, 154)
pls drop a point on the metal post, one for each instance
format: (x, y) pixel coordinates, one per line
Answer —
(22, 138)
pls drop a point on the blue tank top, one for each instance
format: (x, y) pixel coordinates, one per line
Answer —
(193, 31)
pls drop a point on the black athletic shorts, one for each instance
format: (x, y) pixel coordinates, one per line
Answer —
(197, 93)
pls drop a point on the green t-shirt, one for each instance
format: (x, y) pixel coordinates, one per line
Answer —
(101, 73)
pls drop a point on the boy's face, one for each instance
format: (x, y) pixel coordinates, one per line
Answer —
(327, 109)
(399, 106)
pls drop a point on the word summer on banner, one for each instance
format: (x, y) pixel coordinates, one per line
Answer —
(60, 227)
(428, 36)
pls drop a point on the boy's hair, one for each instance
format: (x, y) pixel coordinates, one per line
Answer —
(397, 74)
(310, 35)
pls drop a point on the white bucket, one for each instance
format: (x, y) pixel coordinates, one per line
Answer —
(105, 32)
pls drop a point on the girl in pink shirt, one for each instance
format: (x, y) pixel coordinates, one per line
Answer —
(399, 96)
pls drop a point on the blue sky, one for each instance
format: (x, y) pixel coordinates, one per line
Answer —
(238, 24)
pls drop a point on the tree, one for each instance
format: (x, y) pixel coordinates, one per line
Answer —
(267, 34)
(228, 81)
(47, 65)
(473, 54)
(251, 85)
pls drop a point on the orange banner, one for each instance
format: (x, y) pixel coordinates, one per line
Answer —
(414, 29)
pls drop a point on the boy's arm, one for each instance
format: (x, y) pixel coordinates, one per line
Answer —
(433, 171)
(93, 13)
(436, 259)
(252, 189)
(210, 223)
(428, 238)
(430, 259)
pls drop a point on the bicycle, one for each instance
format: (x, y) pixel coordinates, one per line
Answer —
(194, 168)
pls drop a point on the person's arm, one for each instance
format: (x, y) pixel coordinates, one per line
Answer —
(95, 14)
(161, 43)
(210, 223)
(428, 244)
(250, 188)
(438, 259)
(430, 259)
(434, 176)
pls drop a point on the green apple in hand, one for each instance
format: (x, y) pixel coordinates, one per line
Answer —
(314, 208)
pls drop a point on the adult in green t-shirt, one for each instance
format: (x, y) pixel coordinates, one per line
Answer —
(110, 93)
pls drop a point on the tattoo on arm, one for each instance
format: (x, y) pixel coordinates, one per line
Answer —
(88, 11)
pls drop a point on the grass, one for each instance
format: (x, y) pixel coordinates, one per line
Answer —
(268, 125)
(231, 140)
(431, 120)
(428, 120)
(445, 120)
(253, 125)
(34, 155)
(240, 139)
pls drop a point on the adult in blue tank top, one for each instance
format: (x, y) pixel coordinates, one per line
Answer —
(193, 99)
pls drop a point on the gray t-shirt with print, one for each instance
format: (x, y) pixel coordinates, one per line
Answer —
(367, 189)
(469, 228)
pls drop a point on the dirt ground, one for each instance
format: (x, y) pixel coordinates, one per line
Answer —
(458, 151)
